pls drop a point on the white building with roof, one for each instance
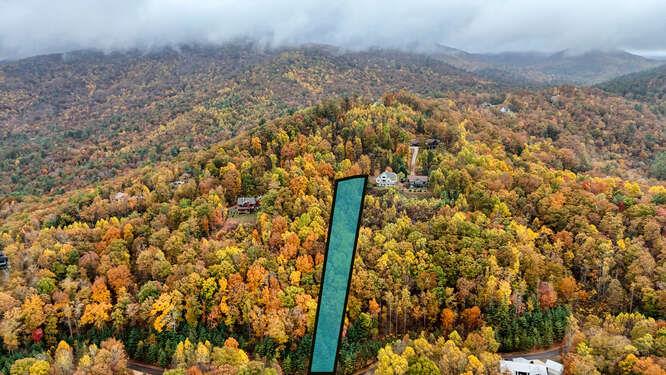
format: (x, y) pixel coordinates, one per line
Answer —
(522, 366)
(386, 178)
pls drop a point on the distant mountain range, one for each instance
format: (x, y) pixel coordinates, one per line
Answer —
(563, 67)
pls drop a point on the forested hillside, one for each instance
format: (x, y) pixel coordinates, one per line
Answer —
(68, 120)
(648, 86)
(539, 225)
(592, 131)
(72, 119)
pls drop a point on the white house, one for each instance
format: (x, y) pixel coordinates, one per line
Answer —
(554, 368)
(387, 179)
(522, 366)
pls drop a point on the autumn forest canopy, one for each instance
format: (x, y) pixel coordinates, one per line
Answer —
(541, 224)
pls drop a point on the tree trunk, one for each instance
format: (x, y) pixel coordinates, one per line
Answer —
(379, 319)
(390, 319)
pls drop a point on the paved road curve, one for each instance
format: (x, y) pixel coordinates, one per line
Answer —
(144, 368)
(554, 353)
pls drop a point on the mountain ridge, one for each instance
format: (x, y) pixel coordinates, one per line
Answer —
(61, 117)
(549, 68)
(647, 86)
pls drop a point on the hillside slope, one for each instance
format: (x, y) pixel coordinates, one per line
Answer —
(648, 86)
(504, 244)
(68, 120)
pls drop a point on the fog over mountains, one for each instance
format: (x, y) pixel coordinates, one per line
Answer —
(35, 27)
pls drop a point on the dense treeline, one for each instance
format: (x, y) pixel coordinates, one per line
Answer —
(536, 328)
(621, 344)
(504, 232)
(451, 355)
(591, 131)
(648, 85)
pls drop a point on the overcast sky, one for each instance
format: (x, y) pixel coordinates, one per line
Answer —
(30, 27)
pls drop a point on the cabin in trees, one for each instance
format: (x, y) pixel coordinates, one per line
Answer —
(416, 182)
(4, 261)
(181, 180)
(522, 366)
(387, 178)
(246, 205)
(431, 144)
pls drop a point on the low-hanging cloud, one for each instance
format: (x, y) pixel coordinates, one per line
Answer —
(30, 27)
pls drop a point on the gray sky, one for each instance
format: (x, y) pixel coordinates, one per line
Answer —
(30, 27)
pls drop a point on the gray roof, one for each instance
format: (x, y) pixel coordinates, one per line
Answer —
(417, 178)
(246, 200)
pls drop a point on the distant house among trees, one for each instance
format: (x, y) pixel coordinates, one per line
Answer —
(181, 180)
(246, 205)
(417, 182)
(4, 261)
(119, 196)
(431, 144)
(387, 178)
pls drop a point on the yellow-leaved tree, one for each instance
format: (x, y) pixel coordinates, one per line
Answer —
(165, 310)
(97, 312)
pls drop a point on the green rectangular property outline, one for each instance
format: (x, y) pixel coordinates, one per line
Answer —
(344, 225)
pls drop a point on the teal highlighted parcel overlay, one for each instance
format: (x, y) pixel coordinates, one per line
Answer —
(343, 230)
